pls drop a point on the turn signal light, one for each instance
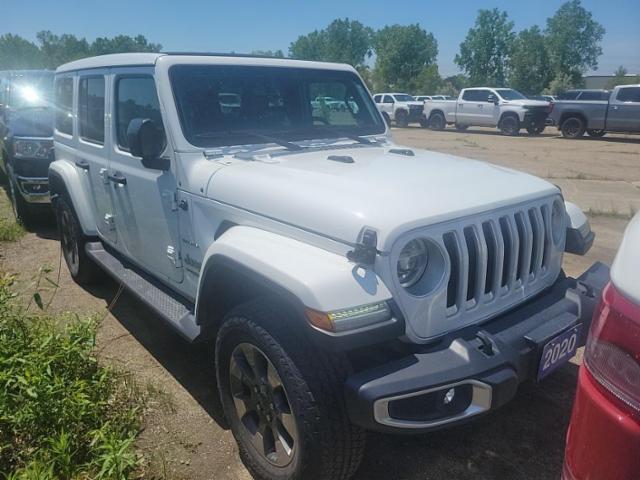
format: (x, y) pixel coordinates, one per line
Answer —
(349, 318)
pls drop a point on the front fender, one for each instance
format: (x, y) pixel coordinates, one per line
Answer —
(317, 278)
(64, 177)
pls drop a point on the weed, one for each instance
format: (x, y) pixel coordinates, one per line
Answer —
(62, 414)
(10, 229)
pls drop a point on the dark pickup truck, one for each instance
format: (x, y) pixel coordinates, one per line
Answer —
(621, 113)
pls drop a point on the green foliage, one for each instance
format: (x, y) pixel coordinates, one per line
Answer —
(343, 41)
(268, 53)
(428, 81)
(402, 54)
(484, 54)
(621, 78)
(18, 53)
(573, 40)
(561, 83)
(62, 414)
(530, 70)
(10, 229)
(53, 50)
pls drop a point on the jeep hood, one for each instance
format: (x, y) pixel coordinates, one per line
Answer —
(389, 192)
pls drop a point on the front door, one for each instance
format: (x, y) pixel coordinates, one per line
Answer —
(144, 196)
(624, 110)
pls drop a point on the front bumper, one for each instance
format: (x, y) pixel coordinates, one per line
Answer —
(484, 364)
(33, 189)
(535, 119)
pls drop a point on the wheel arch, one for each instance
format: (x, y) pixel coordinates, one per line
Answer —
(573, 114)
(64, 180)
(246, 262)
(509, 113)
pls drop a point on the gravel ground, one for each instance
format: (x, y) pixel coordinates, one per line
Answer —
(184, 436)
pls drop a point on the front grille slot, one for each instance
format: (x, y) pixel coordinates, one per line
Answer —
(497, 256)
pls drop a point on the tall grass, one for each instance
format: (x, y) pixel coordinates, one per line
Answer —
(63, 415)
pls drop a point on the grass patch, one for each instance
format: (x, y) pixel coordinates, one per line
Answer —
(10, 229)
(62, 413)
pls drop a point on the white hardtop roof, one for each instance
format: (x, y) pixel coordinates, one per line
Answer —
(150, 59)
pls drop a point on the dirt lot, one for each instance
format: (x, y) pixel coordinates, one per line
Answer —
(524, 440)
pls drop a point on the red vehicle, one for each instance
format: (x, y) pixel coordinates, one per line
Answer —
(603, 441)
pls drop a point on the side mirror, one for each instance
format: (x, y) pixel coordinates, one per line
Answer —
(146, 139)
(492, 99)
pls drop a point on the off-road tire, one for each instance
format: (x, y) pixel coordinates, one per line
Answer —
(437, 121)
(329, 446)
(402, 119)
(387, 119)
(424, 123)
(21, 209)
(510, 125)
(596, 133)
(82, 268)
(573, 127)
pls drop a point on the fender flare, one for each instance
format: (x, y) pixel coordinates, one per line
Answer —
(64, 179)
(304, 274)
(517, 114)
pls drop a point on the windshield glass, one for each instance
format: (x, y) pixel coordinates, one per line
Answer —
(510, 94)
(31, 90)
(403, 98)
(239, 105)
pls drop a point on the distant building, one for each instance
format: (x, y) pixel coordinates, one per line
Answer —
(600, 81)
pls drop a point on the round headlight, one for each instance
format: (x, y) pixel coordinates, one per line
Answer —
(412, 262)
(557, 221)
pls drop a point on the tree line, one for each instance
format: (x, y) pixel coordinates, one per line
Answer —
(535, 60)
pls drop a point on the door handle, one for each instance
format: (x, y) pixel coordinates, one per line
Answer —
(614, 107)
(118, 178)
(83, 164)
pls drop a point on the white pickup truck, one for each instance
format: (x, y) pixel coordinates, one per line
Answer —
(504, 108)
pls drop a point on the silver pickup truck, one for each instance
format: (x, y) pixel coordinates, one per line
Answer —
(620, 113)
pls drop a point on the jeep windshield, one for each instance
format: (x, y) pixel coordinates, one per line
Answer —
(510, 94)
(270, 103)
(31, 91)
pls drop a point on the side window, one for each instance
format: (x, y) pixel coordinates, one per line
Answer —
(136, 97)
(591, 96)
(570, 95)
(91, 109)
(628, 94)
(64, 105)
(387, 99)
(483, 95)
(470, 95)
(376, 98)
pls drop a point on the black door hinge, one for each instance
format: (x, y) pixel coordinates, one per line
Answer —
(366, 250)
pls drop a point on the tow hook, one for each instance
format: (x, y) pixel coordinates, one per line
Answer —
(366, 250)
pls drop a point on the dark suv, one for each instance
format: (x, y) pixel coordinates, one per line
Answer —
(26, 137)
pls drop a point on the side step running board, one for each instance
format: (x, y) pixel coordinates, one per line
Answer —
(171, 308)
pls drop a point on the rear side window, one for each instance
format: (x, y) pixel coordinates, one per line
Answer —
(593, 96)
(64, 105)
(470, 95)
(629, 94)
(91, 109)
(136, 97)
(377, 98)
(570, 95)
(387, 99)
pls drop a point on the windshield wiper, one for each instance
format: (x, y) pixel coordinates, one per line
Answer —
(269, 138)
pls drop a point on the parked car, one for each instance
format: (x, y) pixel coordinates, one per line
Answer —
(620, 112)
(345, 283)
(603, 441)
(504, 108)
(584, 95)
(543, 98)
(400, 108)
(422, 98)
(26, 138)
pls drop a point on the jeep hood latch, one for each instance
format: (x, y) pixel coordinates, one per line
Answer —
(365, 251)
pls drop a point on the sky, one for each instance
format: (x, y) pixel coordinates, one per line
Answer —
(246, 25)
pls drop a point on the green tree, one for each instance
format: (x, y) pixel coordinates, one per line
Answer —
(621, 78)
(122, 44)
(428, 81)
(402, 54)
(457, 82)
(530, 71)
(59, 49)
(484, 54)
(343, 41)
(561, 83)
(573, 40)
(18, 53)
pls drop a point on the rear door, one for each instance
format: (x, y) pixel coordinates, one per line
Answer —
(624, 110)
(469, 108)
(144, 195)
(93, 144)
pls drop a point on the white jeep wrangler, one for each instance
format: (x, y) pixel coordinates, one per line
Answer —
(347, 284)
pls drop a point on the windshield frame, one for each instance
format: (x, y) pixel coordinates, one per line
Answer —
(500, 90)
(294, 134)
